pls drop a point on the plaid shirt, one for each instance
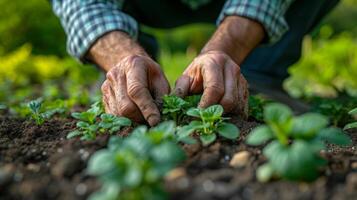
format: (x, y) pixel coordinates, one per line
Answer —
(84, 21)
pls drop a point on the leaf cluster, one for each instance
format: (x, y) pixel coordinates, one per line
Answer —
(174, 107)
(133, 167)
(88, 125)
(352, 124)
(209, 123)
(296, 142)
(39, 112)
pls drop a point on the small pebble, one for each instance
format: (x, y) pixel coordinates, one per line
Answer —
(354, 165)
(175, 174)
(59, 150)
(240, 159)
(208, 186)
(81, 189)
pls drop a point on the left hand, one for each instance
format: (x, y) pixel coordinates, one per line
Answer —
(216, 75)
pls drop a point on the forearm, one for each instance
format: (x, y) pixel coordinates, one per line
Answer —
(111, 48)
(237, 37)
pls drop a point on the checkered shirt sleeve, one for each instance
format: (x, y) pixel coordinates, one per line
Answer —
(270, 13)
(84, 21)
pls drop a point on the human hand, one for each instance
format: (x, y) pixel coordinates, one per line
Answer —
(132, 87)
(216, 75)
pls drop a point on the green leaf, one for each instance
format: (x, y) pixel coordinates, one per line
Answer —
(350, 125)
(308, 125)
(353, 111)
(228, 130)
(133, 176)
(123, 121)
(185, 131)
(208, 139)
(335, 136)
(260, 135)
(76, 115)
(115, 143)
(73, 134)
(212, 113)
(302, 163)
(101, 162)
(140, 145)
(168, 153)
(194, 112)
(139, 131)
(265, 173)
(168, 128)
(277, 113)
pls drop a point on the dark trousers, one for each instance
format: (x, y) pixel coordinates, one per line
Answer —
(267, 64)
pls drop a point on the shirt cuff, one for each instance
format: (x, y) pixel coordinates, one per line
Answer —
(267, 12)
(86, 21)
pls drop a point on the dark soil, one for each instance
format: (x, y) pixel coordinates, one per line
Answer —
(38, 162)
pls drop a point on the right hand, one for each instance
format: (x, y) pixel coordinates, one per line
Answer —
(132, 87)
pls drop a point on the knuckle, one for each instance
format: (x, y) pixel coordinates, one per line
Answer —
(136, 90)
(111, 75)
(105, 87)
(216, 89)
(126, 109)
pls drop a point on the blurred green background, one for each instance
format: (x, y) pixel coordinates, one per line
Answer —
(34, 62)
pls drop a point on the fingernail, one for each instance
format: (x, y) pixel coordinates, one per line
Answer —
(153, 119)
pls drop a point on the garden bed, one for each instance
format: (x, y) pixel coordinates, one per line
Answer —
(38, 162)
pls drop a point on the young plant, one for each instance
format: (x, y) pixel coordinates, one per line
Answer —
(174, 108)
(209, 123)
(352, 124)
(296, 142)
(133, 167)
(39, 112)
(256, 107)
(89, 125)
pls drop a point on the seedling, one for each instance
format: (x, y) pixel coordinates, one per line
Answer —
(296, 142)
(256, 107)
(209, 123)
(175, 108)
(352, 124)
(40, 113)
(89, 126)
(133, 167)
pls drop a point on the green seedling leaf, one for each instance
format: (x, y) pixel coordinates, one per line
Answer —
(208, 139)
(212, 113)
(308, 125)
(73, 134)
(265, 173)
(350, 126)
(353, 111)
(277, 113)
(228, 130)
(260, 135)
(194, 112)
(335, 136)
(101, 162)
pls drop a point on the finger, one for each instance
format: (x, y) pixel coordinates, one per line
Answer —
(107, 99)
(124, 105)
(213, 85)
(182, 86)
(159, 85)
(137, 85)
(243, 95)
(230, 97)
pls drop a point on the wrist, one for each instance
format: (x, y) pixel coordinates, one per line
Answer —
(236, 36)
(112, 48)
